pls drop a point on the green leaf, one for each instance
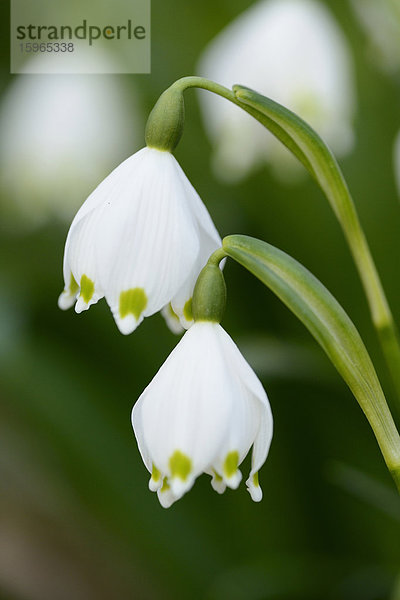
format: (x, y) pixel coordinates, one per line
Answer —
(323, 316)
(318, 159)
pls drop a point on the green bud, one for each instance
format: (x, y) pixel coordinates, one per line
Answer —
(164, 126)
(209, 296)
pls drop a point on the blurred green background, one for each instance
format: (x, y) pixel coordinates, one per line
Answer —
(76, 517)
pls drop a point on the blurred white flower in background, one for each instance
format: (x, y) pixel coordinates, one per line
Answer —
(202, 412)
(294, 52)
(381, 22)
(59, 134)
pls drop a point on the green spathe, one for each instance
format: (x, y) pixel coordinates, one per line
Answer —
(164, 126)
(132, 302)
(209, 296)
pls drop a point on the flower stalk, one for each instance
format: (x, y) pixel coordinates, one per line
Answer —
(326, 320)
(313, 153)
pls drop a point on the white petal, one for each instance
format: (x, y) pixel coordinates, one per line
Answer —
(254, 488)
(172, 320)
(180, 487)
(218, 484)
(210, 241)
(202, 412)
(80, 260)
(166, 497)
(187, 405)
(252, 419)
(181, 302)
(148, 238)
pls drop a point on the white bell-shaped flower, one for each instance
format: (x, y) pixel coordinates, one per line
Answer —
(57, 139)
(293, 52)
(140, 239)
(202, 412)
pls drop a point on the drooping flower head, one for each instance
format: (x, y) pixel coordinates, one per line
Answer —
(293, 52)
(140, 240)
(201, 413)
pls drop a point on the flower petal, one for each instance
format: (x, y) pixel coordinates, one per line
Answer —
(253, 419)
(148, 240)
(186, 410)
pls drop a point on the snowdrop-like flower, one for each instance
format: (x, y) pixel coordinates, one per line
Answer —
(57, 138)
(202, 412)
(293, 52)
(140, 239)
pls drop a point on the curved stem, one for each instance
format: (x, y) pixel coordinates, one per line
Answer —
(340, 199)
(332, 328)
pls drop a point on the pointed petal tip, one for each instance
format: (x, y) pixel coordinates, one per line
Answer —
(180, 487)
(65, 300)
(233, 481)
(128, 324)
(81, 305)
(166, 498)
(154, 485)
(218, 485)
(185, 324)
(254, 489)
(172, 320)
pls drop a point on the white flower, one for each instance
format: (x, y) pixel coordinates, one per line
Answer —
(381, 22)
(202, 412)
(293, 52)
(140, 239)
(58, 135)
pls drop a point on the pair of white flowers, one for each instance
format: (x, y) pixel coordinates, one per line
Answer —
(142, 237)
(140, 240)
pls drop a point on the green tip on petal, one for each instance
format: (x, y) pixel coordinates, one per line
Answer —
(133, 302)
(155, 473)
(231, 463)
(87, 288)
(217, 477)
(172, 313)
(255, 479)
(73, 286)
(180, 465)
(165, 486)
(187, 310)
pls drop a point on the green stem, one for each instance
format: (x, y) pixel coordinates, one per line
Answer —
(340, 199)
(330, 325)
